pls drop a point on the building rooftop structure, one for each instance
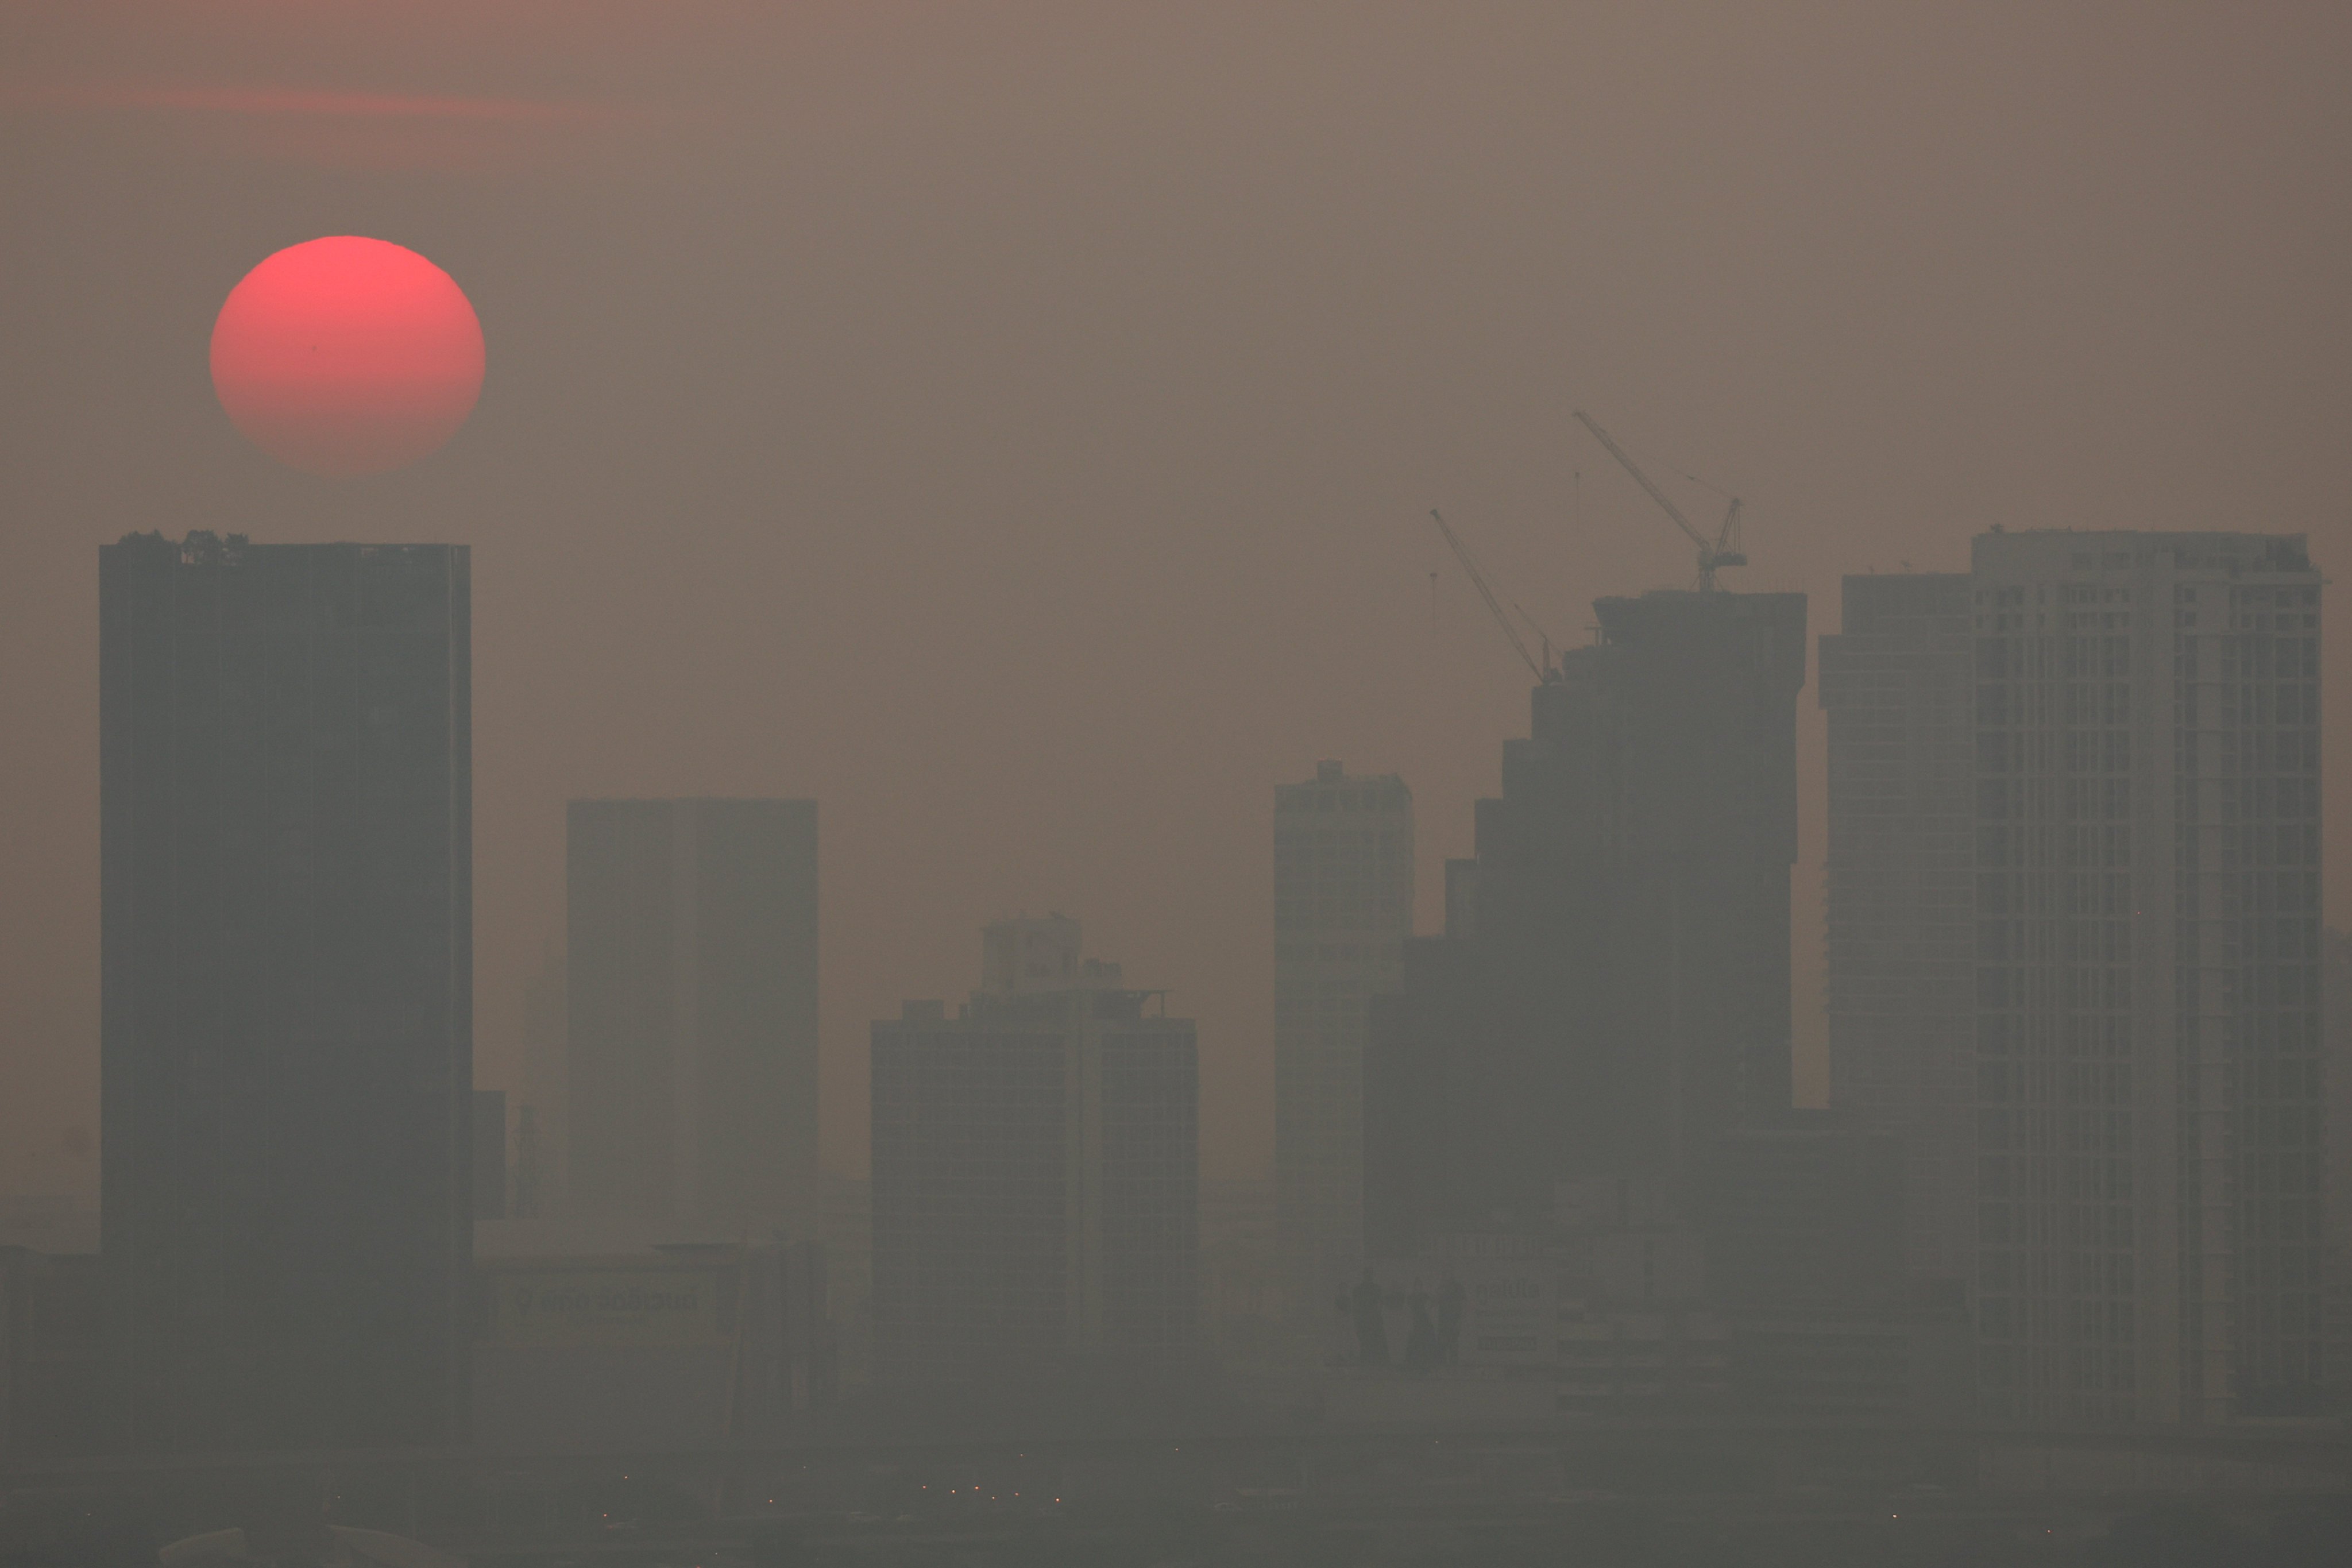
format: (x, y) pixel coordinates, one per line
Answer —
(1035, 1189)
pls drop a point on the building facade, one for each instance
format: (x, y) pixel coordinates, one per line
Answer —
(683, 1347)
(690, 1090)
(1342, 910)
(1036, 1185)
(1898, 681)
(1612, 992)
(287, 991)
(2335, 1074)
(2140, 1211)
(2149, 1149)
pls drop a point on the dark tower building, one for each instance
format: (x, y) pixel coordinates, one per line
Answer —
(2150, 1150)
(1611, 993)
(1342, 909)
(1897, 680)
(1036, 1176)
(285, 864)
(2119, 1133)
(692, 1066)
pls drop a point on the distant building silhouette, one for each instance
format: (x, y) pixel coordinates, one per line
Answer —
(2142, 1219)
(1611, 994)
(676, 1347)
(1898, 682)
(1342, 909)
(491, 1153)
(2335, 1074)
(542, 1099)
(287, 985)
(1035, 1197)
(691, 1073)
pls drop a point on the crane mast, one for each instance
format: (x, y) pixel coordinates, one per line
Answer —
(1722, 551)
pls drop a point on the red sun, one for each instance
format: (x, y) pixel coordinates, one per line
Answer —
(347, 356)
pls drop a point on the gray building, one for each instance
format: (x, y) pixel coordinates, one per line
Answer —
(287, 991)
(1612, 993)
(690, 1091)
(678, 1347)
(1342, 909)
(491, 1179)
(1036, 1188)
(2336, 1073)
(2148, 972)
(1898, 681)
(1690, 717)
(2143, 1216)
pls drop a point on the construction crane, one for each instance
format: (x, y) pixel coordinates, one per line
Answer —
(1724, 551)
(1478, 580)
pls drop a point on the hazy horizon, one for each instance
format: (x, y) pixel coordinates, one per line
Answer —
(1014, 426)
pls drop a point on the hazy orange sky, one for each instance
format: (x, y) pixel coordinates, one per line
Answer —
(1013, 423)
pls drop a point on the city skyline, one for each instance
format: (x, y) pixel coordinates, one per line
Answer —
(974, 392)
(561, 560)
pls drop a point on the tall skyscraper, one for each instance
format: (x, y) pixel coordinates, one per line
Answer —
(1611, 994)
(2335, 1074)
(691, 1092)
(541, 1115)
(1037, 1174)
(491, 1153)
(1898, 682)
(1342, 909)
(287, 1045)
(2147, 974)
(2143, 1215)
(1692, 699)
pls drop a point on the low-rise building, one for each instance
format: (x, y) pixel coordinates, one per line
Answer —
(657, 1349)
(52, 1355)
(1035, 1197)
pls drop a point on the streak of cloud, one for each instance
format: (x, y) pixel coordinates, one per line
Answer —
(338, 128)
(308, 102)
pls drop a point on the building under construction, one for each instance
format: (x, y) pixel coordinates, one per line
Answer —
(1611, 995)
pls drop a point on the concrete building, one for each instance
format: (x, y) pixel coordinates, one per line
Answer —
(1240, 1295)
(491, 1153)
(849, 1273)
(287, 991)
(2148, 970)
(2141, 1211)
(1035, 1188)
(1803, 1209)
(654, 1349)
(691, 1076)
(1898, 681)
(53, 1392)
(2335, 1074)
(540, 1116)
(54, 1223)
(1612, 993)
(1625, 1308)
(1342, 909)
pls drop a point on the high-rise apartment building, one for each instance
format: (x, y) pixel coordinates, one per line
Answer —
(286, 991)
(490, 1173)
(1898, 682)
(2336, 1074)
(2144, 1224)
(1036, 1185)
(1691, 704)
(1612, 995)
(2148, 974)
(1342, 909)
(691, 1016)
